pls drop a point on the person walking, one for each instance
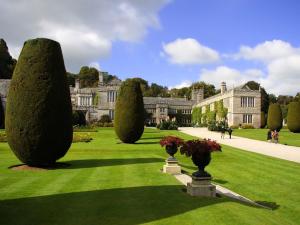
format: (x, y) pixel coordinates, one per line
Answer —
(223, 132)
(229, 132)
(269, 135)
(276, 136)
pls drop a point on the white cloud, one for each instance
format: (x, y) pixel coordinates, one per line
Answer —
(86, 29)
(186, 83)
(231, 76)
(189, 51)
(283, 76)
(281, 63)
(95, 65)
(267, 51)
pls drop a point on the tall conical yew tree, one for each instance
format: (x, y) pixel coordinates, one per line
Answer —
(38, 111)
(274, 120)
(293, 117)
(129, 112)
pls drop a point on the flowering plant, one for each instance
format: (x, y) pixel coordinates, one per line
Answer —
(171, 141)
(194, 147)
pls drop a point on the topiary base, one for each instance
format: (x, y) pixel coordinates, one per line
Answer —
(39, 168)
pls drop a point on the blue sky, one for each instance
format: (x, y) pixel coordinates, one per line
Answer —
(221, 25)
(169, 42)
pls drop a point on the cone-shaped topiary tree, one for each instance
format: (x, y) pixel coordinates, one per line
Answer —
(129, 112)
(38, 111)
(274, 117)
(1, 115)
(262, 120)
(293, 117)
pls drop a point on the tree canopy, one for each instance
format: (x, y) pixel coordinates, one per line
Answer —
(88, 76)
(7, 63)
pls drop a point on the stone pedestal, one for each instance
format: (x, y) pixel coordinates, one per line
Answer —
(172, 166)
(201, 186)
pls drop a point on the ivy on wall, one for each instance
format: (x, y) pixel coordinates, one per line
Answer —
(218, 114)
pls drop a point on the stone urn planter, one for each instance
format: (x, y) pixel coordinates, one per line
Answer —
(171, 150)
(200, 152)
(171, 143)
(201, 161)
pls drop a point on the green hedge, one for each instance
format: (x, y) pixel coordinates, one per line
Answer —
(293, 117)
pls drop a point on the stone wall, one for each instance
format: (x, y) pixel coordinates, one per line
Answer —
(232, 101)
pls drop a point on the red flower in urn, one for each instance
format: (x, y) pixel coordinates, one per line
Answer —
(171, 143)
(200, 151)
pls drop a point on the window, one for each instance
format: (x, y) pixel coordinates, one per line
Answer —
(111, 96)
(247, 101)
(111, 114)
(247, 118)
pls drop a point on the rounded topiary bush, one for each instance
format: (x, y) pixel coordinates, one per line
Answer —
(79, 118)
(293, 117)
(105, 119)
(39, 111)
(274, 117)
(129, 112)
(262, 120)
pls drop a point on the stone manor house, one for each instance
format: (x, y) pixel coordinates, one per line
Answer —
(243, 104)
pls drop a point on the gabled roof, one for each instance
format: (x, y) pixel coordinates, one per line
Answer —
(114, 81)
(167, 101)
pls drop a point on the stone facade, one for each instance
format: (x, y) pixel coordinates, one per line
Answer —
(160, 108)
(243, 104)
(4, 85)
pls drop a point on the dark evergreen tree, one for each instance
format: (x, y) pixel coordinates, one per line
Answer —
(262, 120)
(293, 117)
(71, 77)
(38, 111)
(209, 89)
(88, 77)
(274, 117)
(7, 63)
(129, 112)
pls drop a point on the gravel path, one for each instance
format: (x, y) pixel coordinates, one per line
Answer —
(270, 149)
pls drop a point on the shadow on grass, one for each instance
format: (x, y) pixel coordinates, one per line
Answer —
(188, 167)
(90, 163)
(147, 143)
(219, 181)
(146, 138)
(138, 143)
(270, 205)
(121, 206)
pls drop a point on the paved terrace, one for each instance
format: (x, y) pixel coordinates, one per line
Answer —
(280, 151)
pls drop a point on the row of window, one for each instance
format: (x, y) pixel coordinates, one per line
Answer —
(247, 101)
(111, 114)
(112, 96)
(85, 101)
(247, 118)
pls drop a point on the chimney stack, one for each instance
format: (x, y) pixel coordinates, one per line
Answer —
(77, 84)
(223, 87)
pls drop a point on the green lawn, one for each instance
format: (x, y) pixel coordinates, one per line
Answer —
(285, 136)
(121, 184)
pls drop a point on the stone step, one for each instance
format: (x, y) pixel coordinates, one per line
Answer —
(185, 179)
